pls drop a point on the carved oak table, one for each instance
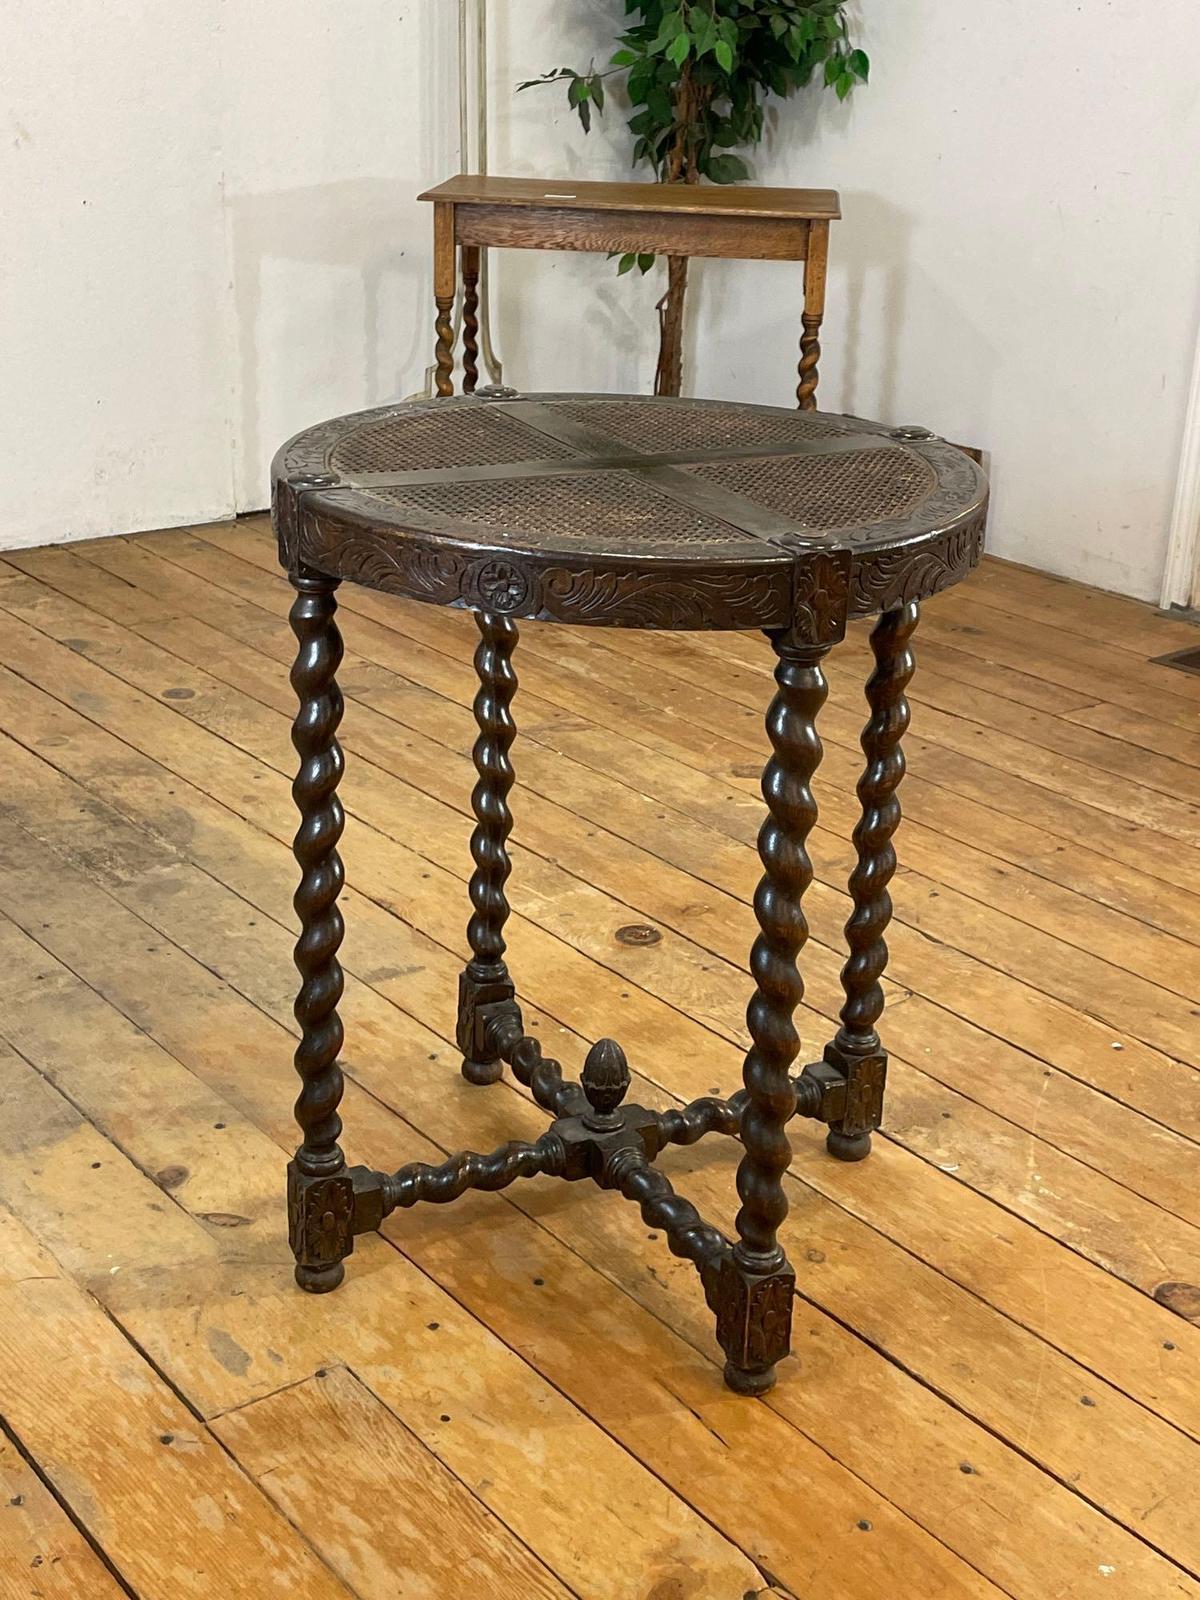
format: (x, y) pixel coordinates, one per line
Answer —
(638, 513)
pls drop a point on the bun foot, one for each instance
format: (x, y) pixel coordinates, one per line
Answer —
(848, 1146)
(320, 1280)
(743, 1382)
(482, 1072)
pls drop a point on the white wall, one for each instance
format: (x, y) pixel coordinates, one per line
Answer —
(115, 354)
(336, 117)
(211, 237)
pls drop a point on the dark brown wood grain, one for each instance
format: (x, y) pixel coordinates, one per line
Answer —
(470, 275)
(856, 1050)
(320, 1193)
(485, 981)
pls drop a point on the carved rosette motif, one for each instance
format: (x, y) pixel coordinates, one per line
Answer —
(497, 585)
(320, 1217)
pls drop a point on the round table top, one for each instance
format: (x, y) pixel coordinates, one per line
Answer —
(631, 511)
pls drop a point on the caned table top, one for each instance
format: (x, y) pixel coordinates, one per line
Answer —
(630, 511)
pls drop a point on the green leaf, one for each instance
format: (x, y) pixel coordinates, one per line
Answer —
(549, 77)
(672, 26)
(723, 55)
(596, 85)
(844, 85)
(624, 58)
(645, 263)
(658, 104)
(726, 169)
(628, 262)
(833, 69)
(859, 64)
(706, 34)
(640, 79)
(577, 96)
(679, 49)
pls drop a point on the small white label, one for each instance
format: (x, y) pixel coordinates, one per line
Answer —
(560, 197)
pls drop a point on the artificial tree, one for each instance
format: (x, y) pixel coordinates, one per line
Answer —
(697, 73)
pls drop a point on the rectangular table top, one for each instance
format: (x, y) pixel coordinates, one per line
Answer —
(728, 200)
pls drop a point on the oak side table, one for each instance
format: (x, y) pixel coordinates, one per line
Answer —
(735, 222)
(626, 512)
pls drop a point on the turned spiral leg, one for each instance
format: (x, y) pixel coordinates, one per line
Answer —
(770, 1096)
(815, 268)
(810, 359)
(486, 982)
(317, 1188)
(470, 272)
(444, 348)
(856, 1050)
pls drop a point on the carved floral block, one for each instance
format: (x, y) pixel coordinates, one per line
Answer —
(754, 1315)
(320, 1217)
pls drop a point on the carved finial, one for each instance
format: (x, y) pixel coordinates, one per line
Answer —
(605, 1082)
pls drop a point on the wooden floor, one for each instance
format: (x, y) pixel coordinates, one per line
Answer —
(996, 1388)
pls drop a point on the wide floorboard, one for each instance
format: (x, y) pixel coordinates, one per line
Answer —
(996, 1385)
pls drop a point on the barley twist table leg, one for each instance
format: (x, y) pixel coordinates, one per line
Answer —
(319, 1188)
(470, 271)
(444, 349)
(486, 981)
(810, 359)
(770, 1095)
(856, 1050)
(815, 268)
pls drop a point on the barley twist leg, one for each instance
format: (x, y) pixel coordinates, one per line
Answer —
(810, 359)
(444, 348)
(787, 873)
(318, 1188)
(486, 980)
(470, 271)
(856, 1050)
